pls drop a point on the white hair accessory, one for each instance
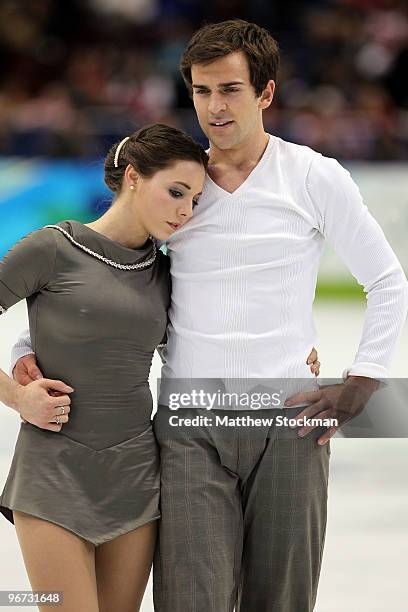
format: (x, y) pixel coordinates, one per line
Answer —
(120, 145)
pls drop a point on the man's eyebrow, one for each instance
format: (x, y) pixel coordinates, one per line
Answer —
(219, 85)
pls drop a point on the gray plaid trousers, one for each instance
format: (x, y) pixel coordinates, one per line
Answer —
(243, 518)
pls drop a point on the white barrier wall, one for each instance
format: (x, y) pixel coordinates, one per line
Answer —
(384, 188)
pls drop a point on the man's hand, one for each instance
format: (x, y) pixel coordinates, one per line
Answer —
(37, 405)
(26, 370)
(342, 402)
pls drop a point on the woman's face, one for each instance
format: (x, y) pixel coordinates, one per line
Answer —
(166, 200)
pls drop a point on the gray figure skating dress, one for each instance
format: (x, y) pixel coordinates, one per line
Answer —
(94, 326)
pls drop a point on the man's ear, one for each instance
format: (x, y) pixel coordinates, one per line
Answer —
(267, 95)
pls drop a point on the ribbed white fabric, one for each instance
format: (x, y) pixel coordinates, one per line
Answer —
(21, 348)
(244, 272)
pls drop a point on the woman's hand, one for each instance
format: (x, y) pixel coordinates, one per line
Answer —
(312, 360)
(38, 407)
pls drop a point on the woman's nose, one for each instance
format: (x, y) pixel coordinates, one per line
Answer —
(186, 211)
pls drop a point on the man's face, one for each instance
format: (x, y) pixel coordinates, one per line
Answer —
(227, 107)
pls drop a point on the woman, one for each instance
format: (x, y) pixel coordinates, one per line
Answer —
(85, 498)
(85, 502)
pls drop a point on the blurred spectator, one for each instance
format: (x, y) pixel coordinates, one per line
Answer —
(137, 11)
(78, 75)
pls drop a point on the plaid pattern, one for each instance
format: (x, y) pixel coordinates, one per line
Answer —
(243, 519)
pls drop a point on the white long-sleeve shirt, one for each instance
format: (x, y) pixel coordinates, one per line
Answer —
(244, 272)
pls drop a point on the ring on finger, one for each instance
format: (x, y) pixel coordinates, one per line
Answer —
(57, 420)
(62, 409)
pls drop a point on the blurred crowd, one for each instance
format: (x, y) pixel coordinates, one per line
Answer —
(79, 74)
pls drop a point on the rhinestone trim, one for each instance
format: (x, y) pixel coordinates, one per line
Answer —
(109, 262)
(2, 309)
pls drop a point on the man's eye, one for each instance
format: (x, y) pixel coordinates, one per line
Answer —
(200, 91)
(195, 202)
(231, 89)
(176, 194)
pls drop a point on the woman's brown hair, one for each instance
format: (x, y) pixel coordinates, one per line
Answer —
(150, 149)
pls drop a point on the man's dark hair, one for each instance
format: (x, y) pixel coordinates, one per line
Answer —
(216, 40)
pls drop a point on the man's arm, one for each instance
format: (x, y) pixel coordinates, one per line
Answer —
(344, 220)
(357, 238)
(23, 365)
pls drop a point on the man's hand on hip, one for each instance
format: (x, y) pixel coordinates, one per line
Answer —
(342, 402)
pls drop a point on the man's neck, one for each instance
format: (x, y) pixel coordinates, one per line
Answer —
(244, 157)
(229, 169)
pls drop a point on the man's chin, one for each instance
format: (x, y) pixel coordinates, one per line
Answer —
(221, 140)
(223, 143)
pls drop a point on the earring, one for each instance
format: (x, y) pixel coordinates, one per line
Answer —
(132, 186)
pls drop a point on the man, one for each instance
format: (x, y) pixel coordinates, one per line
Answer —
(243, 516)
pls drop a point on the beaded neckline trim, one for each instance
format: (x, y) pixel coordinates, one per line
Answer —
(109, 262)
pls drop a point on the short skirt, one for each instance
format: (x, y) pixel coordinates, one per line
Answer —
(96, 494)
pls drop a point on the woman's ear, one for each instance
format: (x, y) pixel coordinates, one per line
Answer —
(131, 176)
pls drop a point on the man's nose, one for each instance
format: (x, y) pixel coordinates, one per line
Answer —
(216, 104)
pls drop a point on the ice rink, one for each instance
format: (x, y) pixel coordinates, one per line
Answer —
(366, 554)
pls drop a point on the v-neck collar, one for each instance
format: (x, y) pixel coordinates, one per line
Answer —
(250, 176)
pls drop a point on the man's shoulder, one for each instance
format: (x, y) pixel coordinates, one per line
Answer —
(300, 161)
(292, 151)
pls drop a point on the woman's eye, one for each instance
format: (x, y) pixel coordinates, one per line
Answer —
(176, 194)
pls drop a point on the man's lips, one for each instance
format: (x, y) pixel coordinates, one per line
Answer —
(219, 125)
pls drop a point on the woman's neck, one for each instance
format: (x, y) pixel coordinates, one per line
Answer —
(120, 224)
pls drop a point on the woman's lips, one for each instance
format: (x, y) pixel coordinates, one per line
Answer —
(173, 226)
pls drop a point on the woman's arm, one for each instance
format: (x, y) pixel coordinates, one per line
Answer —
(27, 269)
(313, 362)
(8, 391)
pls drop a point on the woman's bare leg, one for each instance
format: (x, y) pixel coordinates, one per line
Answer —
(58, 560)
(123, 567)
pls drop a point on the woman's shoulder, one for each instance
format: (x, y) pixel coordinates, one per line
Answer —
(41, 239)
(45, 235)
